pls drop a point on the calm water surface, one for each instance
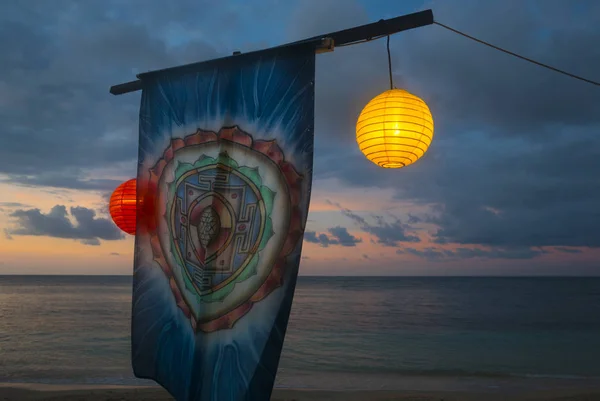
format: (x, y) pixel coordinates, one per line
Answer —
(75, 329)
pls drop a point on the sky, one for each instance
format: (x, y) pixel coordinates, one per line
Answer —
(509, 186)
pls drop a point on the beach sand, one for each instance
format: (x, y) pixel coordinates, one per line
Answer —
(37, 392)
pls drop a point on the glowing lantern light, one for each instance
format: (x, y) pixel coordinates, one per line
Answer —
(123, 206)
(394, 129)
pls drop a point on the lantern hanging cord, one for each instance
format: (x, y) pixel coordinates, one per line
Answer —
(515, 55)
(390, 63)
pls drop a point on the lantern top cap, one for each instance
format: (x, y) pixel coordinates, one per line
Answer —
(397, 90)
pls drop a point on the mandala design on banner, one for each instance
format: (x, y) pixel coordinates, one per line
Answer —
(222, 211)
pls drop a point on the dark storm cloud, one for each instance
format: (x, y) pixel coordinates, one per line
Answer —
(478, 86)
(567, 250)
(104, 204)
(343, 237)
(57, 116)
(337, 236)
(516, 157)
(413, 219)
(322, 239)
(64, 180)
(311, 236)
(387, 233)
(57, 62)
(88, 229)
(537, 196)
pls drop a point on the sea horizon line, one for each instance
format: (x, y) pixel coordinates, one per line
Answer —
(331, 276)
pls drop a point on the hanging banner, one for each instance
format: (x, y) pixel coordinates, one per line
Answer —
(224, 179)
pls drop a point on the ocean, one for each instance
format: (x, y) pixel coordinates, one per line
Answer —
(344, 332)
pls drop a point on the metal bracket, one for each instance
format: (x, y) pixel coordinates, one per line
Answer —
(327, 45)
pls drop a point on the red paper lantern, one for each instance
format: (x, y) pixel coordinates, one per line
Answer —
(123, 206)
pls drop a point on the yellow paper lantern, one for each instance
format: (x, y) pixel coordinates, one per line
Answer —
(394, 129)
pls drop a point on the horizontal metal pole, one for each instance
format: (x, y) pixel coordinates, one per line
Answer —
(340, 38)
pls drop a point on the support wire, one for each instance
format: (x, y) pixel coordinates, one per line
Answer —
(517, 55)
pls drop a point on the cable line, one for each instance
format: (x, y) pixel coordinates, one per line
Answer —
(517, 55)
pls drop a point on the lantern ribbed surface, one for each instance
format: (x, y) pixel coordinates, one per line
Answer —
(123, 206)
(394, 129)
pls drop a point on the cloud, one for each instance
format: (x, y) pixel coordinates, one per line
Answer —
(57, 117)
(90, 241)
(338, 236)
(387, 233)
(414, 219)
(67, 180)
(12, 204)
(434, 254)
(426, 253)
(88, 228)
(476, 86)
(498, 253)
(311, 236)
(343, 237)
(567, 250)
(516, 156)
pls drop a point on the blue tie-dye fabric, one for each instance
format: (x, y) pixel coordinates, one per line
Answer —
(230, 141)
